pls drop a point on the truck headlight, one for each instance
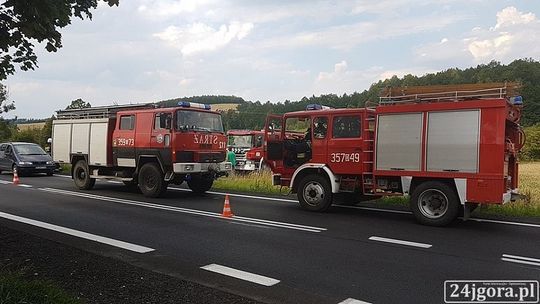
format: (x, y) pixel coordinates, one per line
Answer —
(189, 167)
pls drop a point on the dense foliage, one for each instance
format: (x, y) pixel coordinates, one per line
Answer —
(251, 115)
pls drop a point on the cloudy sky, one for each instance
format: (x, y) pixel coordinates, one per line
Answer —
(149, 50)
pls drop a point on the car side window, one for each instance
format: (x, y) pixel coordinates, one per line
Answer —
(346, 127)
(320, 127)
(127, 122)
(8, 150)
(163, 121)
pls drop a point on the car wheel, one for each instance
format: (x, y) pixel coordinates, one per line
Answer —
(81, 176)
(435, 204)
(50, 173)
(151, 180)
(314, 193)
(200, 184)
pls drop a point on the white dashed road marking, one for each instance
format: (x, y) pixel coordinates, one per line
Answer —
(353, 301)
(242, 275)
(400, 242)
(77, 233)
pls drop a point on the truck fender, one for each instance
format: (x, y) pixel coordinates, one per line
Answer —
(334, 181)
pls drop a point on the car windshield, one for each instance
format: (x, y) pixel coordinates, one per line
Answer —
(240, 140)
(29, 149)
(198, 121)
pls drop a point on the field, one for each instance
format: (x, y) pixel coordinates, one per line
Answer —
(37, 125)
(224, 107)
(529, 180)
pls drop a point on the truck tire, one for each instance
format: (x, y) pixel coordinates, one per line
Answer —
(200, 184)
(435, 204)
(314, 193)
(81, 176)
(151, 180)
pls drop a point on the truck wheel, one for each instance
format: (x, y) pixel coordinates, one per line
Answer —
(314, 193)
(151, 180)
(435, 204)
(81, 176)
(200, 184)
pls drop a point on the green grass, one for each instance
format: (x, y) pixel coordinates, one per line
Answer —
(16, 289)
(529, 184)
(258, 182)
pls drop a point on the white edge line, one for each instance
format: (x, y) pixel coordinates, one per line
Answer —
(520, 262)
(400, 242)
(504, 222)
(353, 301)
(520, 258)
(77, 233)
(189, 211)
(25, 186)
(241, 195)
(62, 175)
(242, 275)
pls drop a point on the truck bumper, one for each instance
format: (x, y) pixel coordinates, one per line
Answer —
(187, 168)
(512, 195)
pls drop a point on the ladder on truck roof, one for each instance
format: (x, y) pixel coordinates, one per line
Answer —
(445, 93)
(100, 112)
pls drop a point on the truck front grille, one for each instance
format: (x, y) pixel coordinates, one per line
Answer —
(211, 157)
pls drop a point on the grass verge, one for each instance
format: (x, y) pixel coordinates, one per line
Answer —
(529, 184)
(16, 289)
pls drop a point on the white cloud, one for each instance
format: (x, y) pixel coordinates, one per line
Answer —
(515, 35)
(511, 16)
(200, 37)
(168, 8)
(345, 37)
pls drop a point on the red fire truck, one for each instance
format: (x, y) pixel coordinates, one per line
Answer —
(247, 146)
(449, 147)
(142, 145)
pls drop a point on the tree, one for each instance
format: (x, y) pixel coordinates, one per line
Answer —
(5, 105)
(78, 104)
(22, 22)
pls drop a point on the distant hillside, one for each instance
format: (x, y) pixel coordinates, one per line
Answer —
(251, 115)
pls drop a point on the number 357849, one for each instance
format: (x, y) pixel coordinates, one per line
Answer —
(345, 157)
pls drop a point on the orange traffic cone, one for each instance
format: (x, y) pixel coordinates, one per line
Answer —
(227, 208)
(15, 177)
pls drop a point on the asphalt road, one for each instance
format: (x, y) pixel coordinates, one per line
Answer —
(273, 251)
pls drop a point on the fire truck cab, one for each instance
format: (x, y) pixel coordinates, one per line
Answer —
(247, 145)
(448, 148)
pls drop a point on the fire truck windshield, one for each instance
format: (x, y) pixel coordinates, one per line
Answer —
(243, 141)
(198, 121)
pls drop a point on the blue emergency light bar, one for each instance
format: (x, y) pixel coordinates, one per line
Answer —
(187, 104)
(314, 106)
(516, 100)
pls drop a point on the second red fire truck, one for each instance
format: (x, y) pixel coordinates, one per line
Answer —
(449, 148)
(247, 145)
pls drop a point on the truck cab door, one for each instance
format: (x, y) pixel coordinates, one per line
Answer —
(273, 141)
(319, 139)
(161, 136)
(124, 141)
(345, 144)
